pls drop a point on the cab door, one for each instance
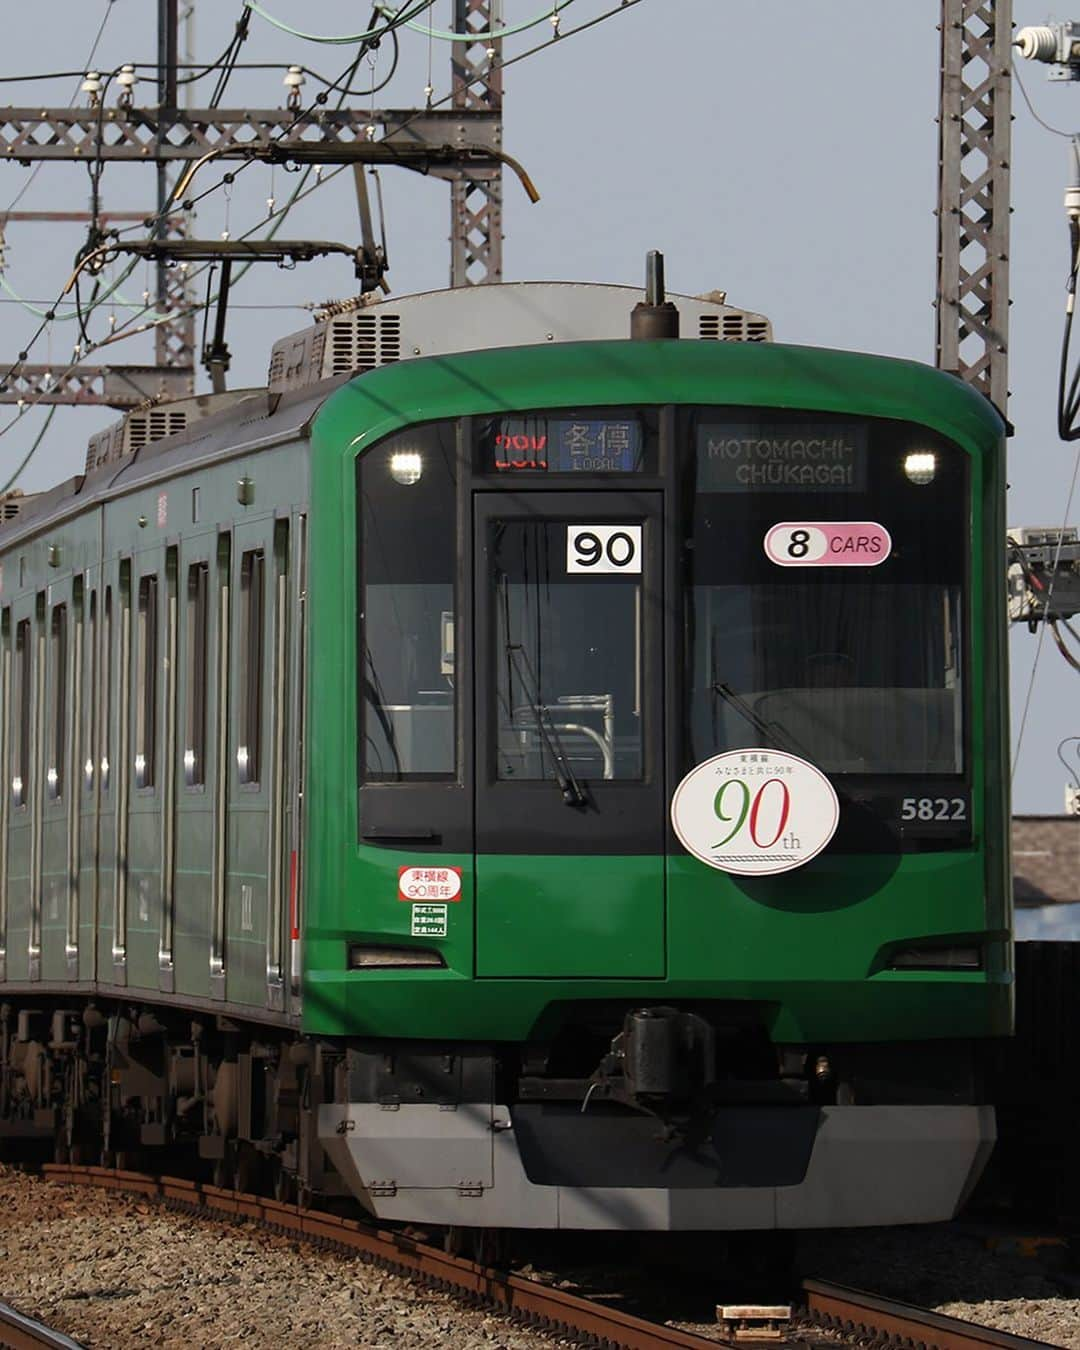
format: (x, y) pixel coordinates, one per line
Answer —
(569, 766)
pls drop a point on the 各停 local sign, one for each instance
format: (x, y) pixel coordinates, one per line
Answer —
(755, 812)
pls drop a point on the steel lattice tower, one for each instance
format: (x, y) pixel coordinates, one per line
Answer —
(973, 194)
(476, 197)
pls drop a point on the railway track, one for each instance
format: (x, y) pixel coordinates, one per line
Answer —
(855, 1313)
(23, 1333)
(830, 1309)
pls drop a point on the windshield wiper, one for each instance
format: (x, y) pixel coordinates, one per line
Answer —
(771, 730)
(572, 792)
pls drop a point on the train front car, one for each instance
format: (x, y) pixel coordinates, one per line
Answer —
(657, 866)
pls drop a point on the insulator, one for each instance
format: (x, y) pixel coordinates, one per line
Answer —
(1037, 44)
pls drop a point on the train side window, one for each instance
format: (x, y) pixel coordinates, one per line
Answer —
(20, 756)
(106, 689)
(91, 693)
(198, 617)
(146, 682)
(123, 749)
(55, 766)
(408, 562)
(252, 620)
(5, 751)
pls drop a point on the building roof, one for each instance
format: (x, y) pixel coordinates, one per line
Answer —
(1046, 859)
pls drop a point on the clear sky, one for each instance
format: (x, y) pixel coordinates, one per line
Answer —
(782, 150)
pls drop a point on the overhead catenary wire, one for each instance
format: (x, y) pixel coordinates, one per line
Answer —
(1062, 648)
(35, 445)
(203, 71)
(86, 347)
(299, 195)
(1057, 131)
(71, 102)
(340, 39)
(619, 8)
(1066, 740)
(550, 15)
(302, 115)
(130, 327)
(34, 306)
(92, 250)
(88, 259)
(228, 61)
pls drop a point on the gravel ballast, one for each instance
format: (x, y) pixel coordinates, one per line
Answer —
(960, 1270)
(118, 1273)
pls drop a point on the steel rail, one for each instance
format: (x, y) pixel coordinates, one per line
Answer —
(853, 1312)
(849, 1311)
(18, 1332)
(534, 1303)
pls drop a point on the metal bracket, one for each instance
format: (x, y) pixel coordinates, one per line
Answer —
(150, 135)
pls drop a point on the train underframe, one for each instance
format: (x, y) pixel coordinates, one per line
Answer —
(650, 1118)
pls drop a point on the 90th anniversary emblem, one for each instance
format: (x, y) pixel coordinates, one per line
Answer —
(755, 812)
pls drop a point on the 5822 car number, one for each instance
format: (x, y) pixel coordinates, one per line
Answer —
(934, 808)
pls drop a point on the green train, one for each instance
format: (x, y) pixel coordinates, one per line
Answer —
(518, 774)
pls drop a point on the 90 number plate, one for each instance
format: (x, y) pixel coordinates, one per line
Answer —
(603, 548)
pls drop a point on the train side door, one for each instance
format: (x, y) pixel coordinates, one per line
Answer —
(146, 767)
(55, 864)
(569, 765)
(86, 777)
(254, 764)
(22, 785)
(202, 580)
(111, 767)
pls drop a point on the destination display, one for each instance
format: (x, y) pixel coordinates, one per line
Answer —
(564, 445)
(781, 457)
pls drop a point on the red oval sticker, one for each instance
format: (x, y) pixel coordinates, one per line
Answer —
(429, 883)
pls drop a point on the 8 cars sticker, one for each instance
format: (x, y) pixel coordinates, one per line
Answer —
(827, 543)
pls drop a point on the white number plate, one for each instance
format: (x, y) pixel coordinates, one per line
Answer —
(603, 548)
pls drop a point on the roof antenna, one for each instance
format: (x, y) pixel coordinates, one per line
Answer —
(655, 317)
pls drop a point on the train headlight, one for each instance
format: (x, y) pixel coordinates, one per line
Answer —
(369, 956)
(920, 466)
(406, 467)
(937, 958)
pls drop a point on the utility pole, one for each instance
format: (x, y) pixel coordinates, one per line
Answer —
(974, 125)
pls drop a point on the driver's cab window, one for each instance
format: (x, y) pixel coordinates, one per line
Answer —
(408, 559)
(567, 649)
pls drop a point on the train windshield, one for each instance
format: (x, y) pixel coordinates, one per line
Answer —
(825, 573)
